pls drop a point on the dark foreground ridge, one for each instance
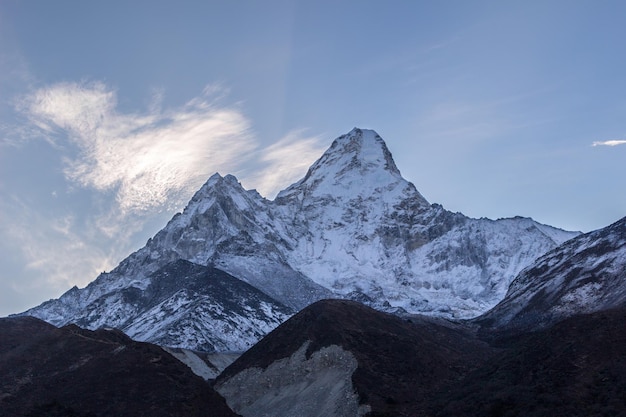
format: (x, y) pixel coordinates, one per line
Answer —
(332, 353)
(576, 367)
(401, 363)
(49, 371)
(426, 367)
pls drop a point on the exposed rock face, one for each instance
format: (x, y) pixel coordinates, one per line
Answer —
(584, 275)
(318, 386)
(351, 228)
(47, 371)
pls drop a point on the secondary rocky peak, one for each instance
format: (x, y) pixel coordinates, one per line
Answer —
(214, 182)
(221, 189)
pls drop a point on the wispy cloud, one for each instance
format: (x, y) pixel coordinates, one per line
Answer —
(614, 142)
(146, 158)
(151, 162)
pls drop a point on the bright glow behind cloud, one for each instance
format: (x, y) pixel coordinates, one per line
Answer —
(286, 161)
(609, 143)
(148, 159)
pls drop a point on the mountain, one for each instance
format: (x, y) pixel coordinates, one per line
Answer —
(363, 231)
(49, 371)
(583, 275)
(186, 305)
(339, 358)
(352, 228)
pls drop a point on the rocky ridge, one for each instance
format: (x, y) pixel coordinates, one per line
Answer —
(584, 275)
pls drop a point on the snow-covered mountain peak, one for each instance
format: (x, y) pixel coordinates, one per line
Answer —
(362, 149)
(358, 165)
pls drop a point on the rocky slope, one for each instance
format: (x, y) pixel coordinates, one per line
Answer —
(351, 228)
(49, 371)
(584, 275)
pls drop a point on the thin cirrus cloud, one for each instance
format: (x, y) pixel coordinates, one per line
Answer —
(147, 159)
(151, 162)
(50, 248)
(613, 142)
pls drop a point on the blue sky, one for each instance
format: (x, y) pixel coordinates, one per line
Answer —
(113, 113)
